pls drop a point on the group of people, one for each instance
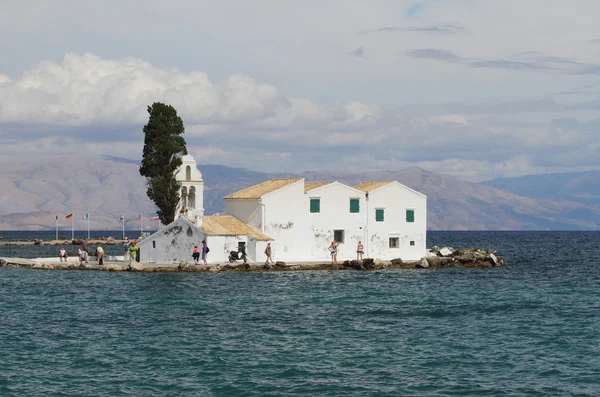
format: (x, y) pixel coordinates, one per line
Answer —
(333, 249)
(197, 252)
(83, 254)
(131, 250)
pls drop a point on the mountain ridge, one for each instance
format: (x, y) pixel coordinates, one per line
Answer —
(35, 189)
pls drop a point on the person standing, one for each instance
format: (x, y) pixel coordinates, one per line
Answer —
(205, 251)
(100, 255)
(333, 249)
(82, 256)
(359, 251)
(133, 249)
(196, 254)
(268, 253)
(62, 254)
(127, 244)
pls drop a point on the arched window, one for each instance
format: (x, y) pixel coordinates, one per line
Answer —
(192, 198)
(188, 173)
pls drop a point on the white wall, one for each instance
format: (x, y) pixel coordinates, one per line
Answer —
(395, 199)
(172, 243)
(335, 215)
(246, 210)
(287, 223)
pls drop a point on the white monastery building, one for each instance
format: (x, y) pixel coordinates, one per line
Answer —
(300, 219)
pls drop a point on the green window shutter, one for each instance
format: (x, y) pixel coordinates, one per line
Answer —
(354, 205)
(315, 205)
(379, 215)
(410, 215)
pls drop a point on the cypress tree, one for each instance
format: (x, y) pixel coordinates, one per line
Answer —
(163, 148)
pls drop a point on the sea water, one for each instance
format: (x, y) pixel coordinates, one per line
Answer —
(530, 329)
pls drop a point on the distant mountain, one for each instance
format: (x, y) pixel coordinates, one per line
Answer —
(34, 190)
(580, 187)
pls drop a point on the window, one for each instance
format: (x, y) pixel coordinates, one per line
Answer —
(153, 244)
(412, 243)
(410, 215)
(338, 235)
(188, 173)
(354, 205)
(315, 205)
(394, 242)
(241, 246)
(379, 215)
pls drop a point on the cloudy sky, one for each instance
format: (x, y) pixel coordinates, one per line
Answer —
(472, 88)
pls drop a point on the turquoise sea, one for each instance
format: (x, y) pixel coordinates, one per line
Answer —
(531, 329)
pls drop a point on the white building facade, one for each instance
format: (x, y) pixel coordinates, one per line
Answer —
(303, 218)
(300, 219)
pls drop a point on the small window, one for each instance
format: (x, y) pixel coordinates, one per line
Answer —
(339, 235)
(412, 243)
(154, 244)
(379, 215)
(241, 246)
(354, 205)
(188, 173)
(315, 205)
(394, 242)
(410, 215)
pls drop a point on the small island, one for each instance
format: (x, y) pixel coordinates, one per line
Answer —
(436, 259)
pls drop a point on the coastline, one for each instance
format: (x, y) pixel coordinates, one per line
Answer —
(467, 258)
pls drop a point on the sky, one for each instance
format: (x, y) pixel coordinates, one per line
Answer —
(476, 89)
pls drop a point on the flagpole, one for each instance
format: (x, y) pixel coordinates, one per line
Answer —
(56, 221)
(142, 224)
(123, 221)
(88, 219)
(73, 227)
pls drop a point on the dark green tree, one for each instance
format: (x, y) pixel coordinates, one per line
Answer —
(163, 148)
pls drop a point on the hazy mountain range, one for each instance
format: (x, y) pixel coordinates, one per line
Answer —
(35, 190)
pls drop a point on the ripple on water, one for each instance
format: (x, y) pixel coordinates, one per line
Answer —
(530, 329)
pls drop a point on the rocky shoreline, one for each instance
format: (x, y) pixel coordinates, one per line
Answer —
(436, 259)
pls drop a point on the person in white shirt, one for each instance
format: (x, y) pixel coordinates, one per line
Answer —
(62, 254)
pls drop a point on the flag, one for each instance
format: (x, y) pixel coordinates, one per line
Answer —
(69, 216)
(122, 217)
(155, 218)
(86, 216)
(56, 219)
(139, 218)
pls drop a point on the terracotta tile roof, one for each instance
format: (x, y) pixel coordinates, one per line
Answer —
(257, 191)
(372, 185)
(227, 225)
(313, 185)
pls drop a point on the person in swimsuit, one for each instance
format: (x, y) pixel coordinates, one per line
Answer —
(359, 251)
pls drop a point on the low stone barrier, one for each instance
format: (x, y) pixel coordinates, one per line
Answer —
(436, 259)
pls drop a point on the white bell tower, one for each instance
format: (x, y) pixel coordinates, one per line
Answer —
(191, 205)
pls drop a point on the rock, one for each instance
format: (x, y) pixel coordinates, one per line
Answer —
(37, 242)
(445, 251)
(183, 265)
(493, 259)
(77, 242)
(434, 260)
(368, 263)
(136, 266)
(266, 266)
(2, 262)
(279, 264)
(435, 248)
(424, 264)
(114, 268)
(216, 268)
(396, 262)
(353, 264)
(377, 261)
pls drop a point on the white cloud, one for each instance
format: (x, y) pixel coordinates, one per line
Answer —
(88, 104)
